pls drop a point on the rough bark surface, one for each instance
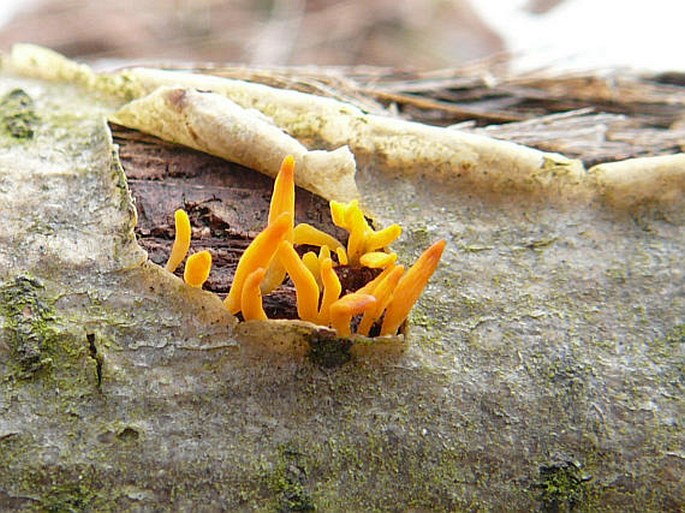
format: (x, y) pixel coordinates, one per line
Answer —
(544, 370)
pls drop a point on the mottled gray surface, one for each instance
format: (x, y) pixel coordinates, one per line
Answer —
(544, 371)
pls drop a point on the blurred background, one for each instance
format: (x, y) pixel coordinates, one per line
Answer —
(399, 34)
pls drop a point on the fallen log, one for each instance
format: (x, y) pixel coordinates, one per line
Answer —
(542, 370)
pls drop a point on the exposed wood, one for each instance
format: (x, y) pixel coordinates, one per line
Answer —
(227, 204)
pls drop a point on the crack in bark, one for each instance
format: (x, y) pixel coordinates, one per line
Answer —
(95, 355)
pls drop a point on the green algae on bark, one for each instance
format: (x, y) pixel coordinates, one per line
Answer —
(18, 114)
(28, 320)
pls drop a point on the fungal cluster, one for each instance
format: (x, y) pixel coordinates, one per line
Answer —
(379, 307)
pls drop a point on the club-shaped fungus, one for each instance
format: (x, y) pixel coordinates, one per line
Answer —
(383, 292)
(347, 307)
(258, 254)
(197, 268)
(305, 284)
(410, 287)
(282, 202)
(181, 241)
(251, 297)
(331, 291)
(379, 307)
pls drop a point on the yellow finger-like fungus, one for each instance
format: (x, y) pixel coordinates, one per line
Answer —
(283, 195)
(324, 253)
(311, 262)
(181, 241)
(352, 209)
(347, 307)
(306, 234)
(410, 287)
(197, 268)
(359, 230)
(331, 291)
(275, 275)
(382, 238)
(251, 297)
(271, 255)
(383, 293)
(342, 256)
(339, 213)
(363, 239)
(377, 259)
(258, 254)
(282, 201)
(371, 286)
(305, 284)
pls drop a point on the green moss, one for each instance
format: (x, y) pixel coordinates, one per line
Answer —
(563, 487)
(64, 365)
(288, 482)
(44, 488)
(675, 335)
(29, 320)
(328, 350)
(664, 347)
(17, 115)
(389, 468)
(78, 490)
(68, 498)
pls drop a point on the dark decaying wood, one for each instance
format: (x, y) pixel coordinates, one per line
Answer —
(228, 206)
